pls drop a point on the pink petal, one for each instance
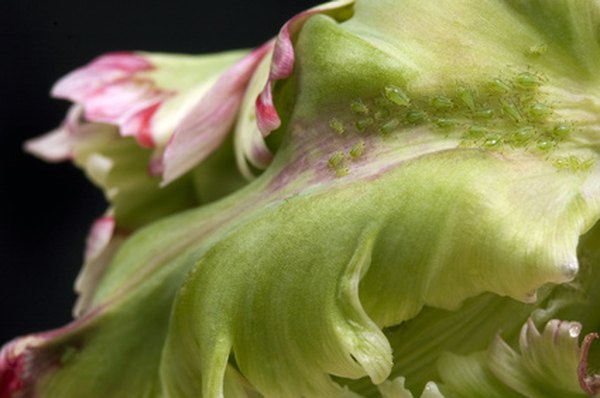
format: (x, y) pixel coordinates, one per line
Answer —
(54, 146)
(57, 145)
(282, 65)
(111, 91)
(102, 242)
(207, 125)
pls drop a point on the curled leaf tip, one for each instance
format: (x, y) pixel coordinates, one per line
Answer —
(590, 383)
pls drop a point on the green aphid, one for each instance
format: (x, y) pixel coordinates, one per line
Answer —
(336, 159)
(511, 110)
(415, 116)
(545, 144)
(493, 142)
(357, 150)
(476, 132)
(522, 136)
(561, 130)
(498, 86)
(381, 114)
(467, 98)
(484, 114)
(336, 126)
(446, 123)
(396, 95)
(537, 50)
(442, 103)
(342, 171)
(359, 107)
(527, 81)
(389, 126)
(539, 110)
(363, 123)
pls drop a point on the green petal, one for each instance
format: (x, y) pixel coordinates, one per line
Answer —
(546, 366)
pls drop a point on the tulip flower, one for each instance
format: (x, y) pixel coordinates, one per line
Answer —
(424, 221)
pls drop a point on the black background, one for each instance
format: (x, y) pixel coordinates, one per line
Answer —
(46, 209)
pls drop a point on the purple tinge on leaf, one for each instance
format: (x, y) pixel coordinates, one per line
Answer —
(111, 91)
(282, 64)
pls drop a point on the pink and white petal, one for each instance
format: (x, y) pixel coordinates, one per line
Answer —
(207, 125)
(111, 89)
(282, 65)
(57, 145)
(249, 144)
(82, 83)
(101, 244)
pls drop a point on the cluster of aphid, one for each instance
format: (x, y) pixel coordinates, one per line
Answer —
(501, 113)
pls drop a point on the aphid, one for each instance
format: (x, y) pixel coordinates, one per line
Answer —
(359, 107)
(389, 126)
(336, 126)
(396, 95)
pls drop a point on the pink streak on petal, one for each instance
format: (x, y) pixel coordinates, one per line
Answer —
(111, 91)
(267, 118)
(282, 64)
(140, 125)
(207, 124)
(588, 383)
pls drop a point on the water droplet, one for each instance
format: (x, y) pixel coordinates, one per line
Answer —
(484, 114)
(389, 126)
(561, 130)
(357, 150)
(396, 95)
(415, 116)
(359, 107)
(442, 103)
(363, 123)
(336, 159)
(527, 81)
(574, 330)
(498, 86)
(336, 126)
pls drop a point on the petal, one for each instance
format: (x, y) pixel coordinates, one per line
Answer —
(145, 94)
(250, 146)
(57, 145)
(207, 124)
(101, 245)
(282, 63)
